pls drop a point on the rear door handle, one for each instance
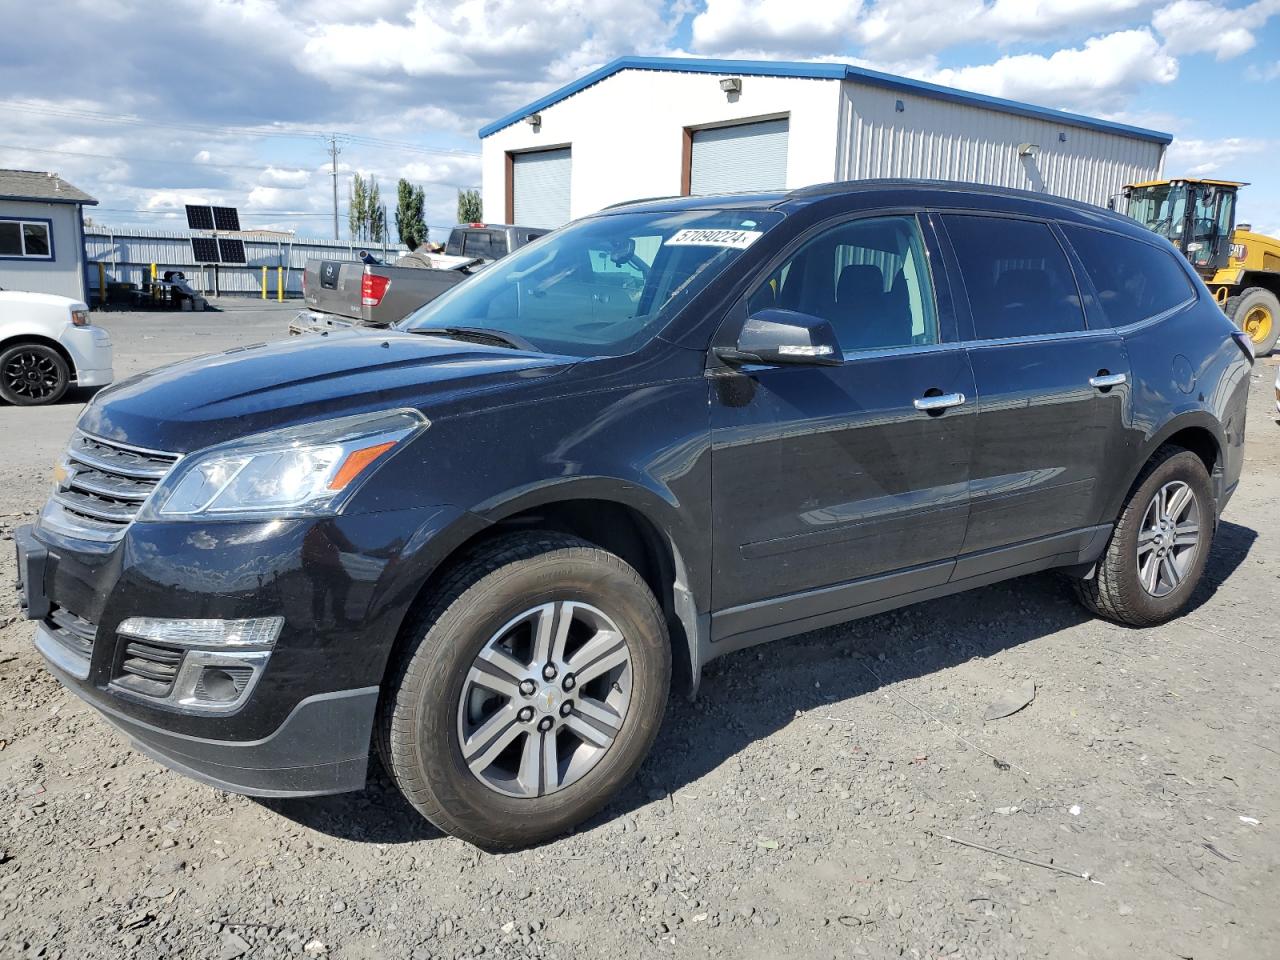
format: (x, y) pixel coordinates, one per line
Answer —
(941, 402)
(1104, 381)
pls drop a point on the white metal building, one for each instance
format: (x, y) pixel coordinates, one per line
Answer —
(649, 127)
(42, 233)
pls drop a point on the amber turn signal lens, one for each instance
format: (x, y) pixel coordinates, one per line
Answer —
(356, 461)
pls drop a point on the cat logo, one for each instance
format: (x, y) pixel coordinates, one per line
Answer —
(1238, 251)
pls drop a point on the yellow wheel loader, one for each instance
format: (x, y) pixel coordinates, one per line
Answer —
(1241, 268)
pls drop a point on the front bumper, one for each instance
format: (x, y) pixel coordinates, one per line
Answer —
(91, 354)
(309, 321)
(322, 746)
(341, 584)
(94, 378)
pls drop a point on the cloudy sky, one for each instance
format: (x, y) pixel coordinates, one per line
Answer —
(149, 105)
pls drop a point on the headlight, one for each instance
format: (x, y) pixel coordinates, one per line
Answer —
(300, 471)
(80, 318)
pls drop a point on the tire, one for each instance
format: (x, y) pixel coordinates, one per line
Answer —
(32, 374)
(1117, 591)
(1256, 311)
(433, 705)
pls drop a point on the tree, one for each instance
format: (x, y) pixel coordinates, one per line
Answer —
(470, 210)
(411, 222)
(375, 213)
(357, 207)
(366, 216)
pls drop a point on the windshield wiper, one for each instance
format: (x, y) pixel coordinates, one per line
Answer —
(484, 335)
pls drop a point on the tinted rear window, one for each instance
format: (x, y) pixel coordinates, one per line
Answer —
(1134, 280)
(483, 243)
(1018, 278)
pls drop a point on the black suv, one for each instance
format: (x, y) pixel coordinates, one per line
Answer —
(487, 540)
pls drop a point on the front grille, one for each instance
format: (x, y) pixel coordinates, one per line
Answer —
(105, 486)
(74, 633)
(149, 669)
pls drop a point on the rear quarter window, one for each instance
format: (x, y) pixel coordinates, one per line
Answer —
(1135, 280)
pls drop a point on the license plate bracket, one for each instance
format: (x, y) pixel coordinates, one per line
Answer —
(33, 559)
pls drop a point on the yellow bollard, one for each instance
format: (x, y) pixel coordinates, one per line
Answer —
(102, 286)
(155, 293)
(279, 284)
(264, 283)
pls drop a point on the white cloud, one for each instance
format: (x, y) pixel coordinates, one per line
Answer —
(1199, 158)
(285, 179)
(887, 30)
(814, 27)
(1096, 77)
(1202, 26)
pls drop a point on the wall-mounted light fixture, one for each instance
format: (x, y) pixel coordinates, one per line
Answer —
(731, 84)
(899, 107)
(1062, 136)
(1028, 149)
(534, 120)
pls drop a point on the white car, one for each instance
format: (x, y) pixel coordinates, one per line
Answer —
(47, 343)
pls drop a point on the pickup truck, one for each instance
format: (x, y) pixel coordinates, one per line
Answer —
(342, 294)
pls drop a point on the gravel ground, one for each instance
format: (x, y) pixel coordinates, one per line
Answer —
(801, 807)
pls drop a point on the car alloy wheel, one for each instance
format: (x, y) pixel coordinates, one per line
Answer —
(544, 699)
(32, 375)
(1168, 538)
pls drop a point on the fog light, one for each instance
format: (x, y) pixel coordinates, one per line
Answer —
(222, 684)
(253, 633)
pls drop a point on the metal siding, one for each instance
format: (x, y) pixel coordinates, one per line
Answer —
(936, 139)
(60, 276)
(745, 156)
(540, 188)
(127, 256)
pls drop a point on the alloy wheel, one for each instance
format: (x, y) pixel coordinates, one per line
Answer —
(1168, 538)
(1257, 324)
(32, 375)
(544, 699)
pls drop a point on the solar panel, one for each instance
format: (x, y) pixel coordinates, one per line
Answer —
(232, 251)
(204, 249)
(199, 218)
(226, 218)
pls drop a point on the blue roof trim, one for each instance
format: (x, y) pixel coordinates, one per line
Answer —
(822, 71)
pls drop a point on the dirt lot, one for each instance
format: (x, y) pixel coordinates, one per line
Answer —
(796, 809)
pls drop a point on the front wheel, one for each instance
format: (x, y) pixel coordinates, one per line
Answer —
(1160, 545)
(1256, 311)
(528, 692)
(32, 374)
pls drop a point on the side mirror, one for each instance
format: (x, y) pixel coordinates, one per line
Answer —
(784, 336)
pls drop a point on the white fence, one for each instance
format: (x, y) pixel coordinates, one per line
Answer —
(126, 256)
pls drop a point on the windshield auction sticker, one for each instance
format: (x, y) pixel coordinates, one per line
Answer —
(738, 239)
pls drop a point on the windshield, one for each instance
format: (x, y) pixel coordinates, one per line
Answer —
(602, 286)
(1160, 208)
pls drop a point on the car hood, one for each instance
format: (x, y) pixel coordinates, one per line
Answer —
(224, 396)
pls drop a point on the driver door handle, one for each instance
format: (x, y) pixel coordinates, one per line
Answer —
(941, 402)
(1105, 380)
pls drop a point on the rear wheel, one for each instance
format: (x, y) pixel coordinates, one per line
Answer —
(1160, 545)
(529, 691)
(1256, 311)
(32, 374)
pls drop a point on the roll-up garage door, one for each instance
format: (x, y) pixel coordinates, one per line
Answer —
(540, 188)
(748, 156)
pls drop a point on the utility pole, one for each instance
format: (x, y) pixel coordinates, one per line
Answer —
(333, 154)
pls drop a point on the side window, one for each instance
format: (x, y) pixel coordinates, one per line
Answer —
(868, 278)
(1019, 280)
(1134, 280)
